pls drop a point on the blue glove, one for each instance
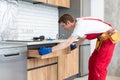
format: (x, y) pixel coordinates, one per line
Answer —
(73, 46)
(44, 50)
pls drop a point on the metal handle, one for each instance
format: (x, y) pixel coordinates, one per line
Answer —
(9, 55)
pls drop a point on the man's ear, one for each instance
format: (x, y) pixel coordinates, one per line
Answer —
(68, 22)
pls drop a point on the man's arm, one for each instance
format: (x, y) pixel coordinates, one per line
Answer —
(80, 41)
(65, 44)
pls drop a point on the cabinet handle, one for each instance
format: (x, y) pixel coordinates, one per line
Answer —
(8, 55)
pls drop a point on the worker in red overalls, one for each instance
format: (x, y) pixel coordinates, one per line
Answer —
(89, 28)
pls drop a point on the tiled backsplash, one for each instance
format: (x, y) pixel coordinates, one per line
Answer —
(34, 20)
(8, 13)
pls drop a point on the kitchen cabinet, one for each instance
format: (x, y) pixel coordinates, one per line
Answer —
(61, 3)
(68, 65)
(39, 69)
(57, 65)
(45, 73)
(34, 53)
(53, 2)
(35, 62)
(64, 3)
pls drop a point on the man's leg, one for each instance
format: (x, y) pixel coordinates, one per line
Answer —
(100, 60)
(91, 66)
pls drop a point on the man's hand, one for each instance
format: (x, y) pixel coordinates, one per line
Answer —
(44, 50)
(73, 46)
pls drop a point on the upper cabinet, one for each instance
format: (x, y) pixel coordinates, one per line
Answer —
(53, 2)
(60, 3)
(64, 3)
(44, 1)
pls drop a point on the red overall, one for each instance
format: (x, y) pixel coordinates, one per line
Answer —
(100, 59)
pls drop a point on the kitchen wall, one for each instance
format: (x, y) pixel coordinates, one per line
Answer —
(35, 20)
(8, 13)
(112, 15)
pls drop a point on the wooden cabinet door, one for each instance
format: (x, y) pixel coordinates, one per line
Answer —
(64, 3)
(45, 73)
(44, 1)
(36, 71)
(53, 2)
(68, 65)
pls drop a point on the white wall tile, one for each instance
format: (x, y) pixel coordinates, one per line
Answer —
(35, 20)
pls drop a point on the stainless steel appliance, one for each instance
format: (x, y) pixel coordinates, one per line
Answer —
(13, 61)
(84, 54)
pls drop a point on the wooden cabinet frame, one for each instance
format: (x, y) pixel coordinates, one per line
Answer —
(67, 62)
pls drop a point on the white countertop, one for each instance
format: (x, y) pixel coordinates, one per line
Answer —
(31, 42)
(45, 42)
(4, 45)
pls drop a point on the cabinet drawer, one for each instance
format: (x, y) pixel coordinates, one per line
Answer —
(34, 53)
(35, 62)
(45, 73)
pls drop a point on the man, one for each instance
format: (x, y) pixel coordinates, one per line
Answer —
(89, 28)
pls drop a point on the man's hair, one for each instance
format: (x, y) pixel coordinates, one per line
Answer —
(66, 17)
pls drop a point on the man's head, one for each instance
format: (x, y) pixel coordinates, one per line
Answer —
(67, 22)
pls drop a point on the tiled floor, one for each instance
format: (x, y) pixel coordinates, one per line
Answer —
(108, 78)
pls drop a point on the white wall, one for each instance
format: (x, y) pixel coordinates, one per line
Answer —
(32, 20)
(35, 20)
(97, 10)
(112, 15)
(8, 11)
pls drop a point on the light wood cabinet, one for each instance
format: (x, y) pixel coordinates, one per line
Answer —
(45, 73)
(64, 64)
(39, 69)
(64, 3)
(35, 62)
(61, 3)
(44, 1)
(68, 65)
(53, 2)
(34, 53)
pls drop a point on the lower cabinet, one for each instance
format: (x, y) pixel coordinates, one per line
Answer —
(68, 65)
(42, 69)
(58, 65)
(45, 73)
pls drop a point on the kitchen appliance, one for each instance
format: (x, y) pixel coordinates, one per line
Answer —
(84, 54)
(13, 61)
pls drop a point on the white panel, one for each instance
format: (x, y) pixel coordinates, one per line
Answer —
(97, 10)
(35, 20)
